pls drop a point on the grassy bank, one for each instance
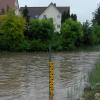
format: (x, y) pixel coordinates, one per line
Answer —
(94, 79)
(95, 75)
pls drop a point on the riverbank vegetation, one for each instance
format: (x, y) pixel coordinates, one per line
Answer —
(94, 76)
(93, 92)
(20, 33)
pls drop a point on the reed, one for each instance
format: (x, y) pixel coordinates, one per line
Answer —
(94, 76)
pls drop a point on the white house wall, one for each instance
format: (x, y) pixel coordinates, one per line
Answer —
(52, 12)
(17, 8)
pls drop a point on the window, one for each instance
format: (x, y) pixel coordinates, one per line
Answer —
(36, 16)
(44, 16)
(58, 26)
(58, 16)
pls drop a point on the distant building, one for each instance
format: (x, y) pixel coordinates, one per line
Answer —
(9, 4)
(52, 11)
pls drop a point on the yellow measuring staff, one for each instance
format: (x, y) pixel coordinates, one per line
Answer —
(51, 80)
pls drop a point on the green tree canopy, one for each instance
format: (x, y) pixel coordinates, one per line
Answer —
(41, 29)
(25, 14)
(96, 34)
(74, 17)
(11, 31)
(65, 15)
(87, 34)
(96, 18)
(71, 34)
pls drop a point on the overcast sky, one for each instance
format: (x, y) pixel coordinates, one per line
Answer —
(83, 8)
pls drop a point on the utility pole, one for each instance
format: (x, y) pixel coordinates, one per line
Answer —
(51, 76)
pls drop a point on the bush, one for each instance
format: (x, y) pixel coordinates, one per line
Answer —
(71, 34)
(96, 34)
(56, 42)
(40, 34)
(25, 45)
(37, 45)
(41, 29)
(12, 35)
(11, 31)
(94, 76)
(88, 36)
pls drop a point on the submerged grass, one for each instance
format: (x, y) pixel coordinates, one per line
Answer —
(94, 76)
(94, 79)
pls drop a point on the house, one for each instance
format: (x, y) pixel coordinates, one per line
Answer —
(9, 4)
(52, 11)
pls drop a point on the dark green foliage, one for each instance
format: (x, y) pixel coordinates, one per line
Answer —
(25, 45)
(87, 34)
(56, 42)
(22, 34)
(39, 35)
(38, 45)
(41, 32)
(10, 33)
(65, 16)
(41, 29)
(96, 19)
(71, 34)
(25, 14)
(96, 34)
(12, 30)
(96, 26)
(74, 17)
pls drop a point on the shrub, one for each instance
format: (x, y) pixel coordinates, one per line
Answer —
(88, 35)
(41, 29)
(71, 34)
(96, 34)
(24, 45)
(11, 31)
(37, 45)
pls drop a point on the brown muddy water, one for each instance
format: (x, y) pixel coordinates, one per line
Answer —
(25, 76)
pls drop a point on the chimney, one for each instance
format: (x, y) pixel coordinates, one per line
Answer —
(54, 4)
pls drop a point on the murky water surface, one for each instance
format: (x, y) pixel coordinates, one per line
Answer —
(25, 76)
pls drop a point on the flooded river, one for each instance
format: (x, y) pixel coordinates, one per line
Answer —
(25, 76)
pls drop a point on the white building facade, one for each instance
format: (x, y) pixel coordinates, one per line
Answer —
(51, 11)
(54, 13)
(17, 7)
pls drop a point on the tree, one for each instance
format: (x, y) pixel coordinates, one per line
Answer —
(71, 34)
(96, 34)
(2, 11)
(41, 32)
(41, 29)
(87, 34)
(65, 15)
(11, 31)
(74, 17)
(96, 26)
(7, 8)
(25, 14)
(96, 18)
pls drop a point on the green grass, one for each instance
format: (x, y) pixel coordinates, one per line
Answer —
(94, 76)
